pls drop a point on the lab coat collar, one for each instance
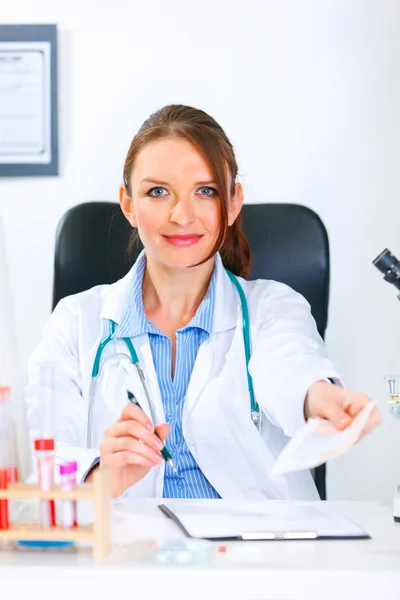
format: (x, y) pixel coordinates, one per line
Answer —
(115, 298)
(226, 307)
(227, 302)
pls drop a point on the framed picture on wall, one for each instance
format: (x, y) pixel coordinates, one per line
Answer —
(28, 100)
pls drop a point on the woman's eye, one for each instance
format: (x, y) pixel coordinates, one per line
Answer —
(156, 192)
(208, 191)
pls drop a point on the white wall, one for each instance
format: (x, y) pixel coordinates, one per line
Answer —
(309, 93)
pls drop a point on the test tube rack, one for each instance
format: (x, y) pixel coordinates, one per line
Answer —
(99, 532)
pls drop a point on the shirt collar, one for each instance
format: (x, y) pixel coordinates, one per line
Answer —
(134, 321)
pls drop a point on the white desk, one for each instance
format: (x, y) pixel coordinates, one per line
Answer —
(304, 570)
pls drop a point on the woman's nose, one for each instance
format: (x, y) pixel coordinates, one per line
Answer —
(182, 212)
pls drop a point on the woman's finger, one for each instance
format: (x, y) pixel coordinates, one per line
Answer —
(354, 403)
(123, 458)
(333, 410)
(119, 444)
(163, 431)
(136, 430)
(134, 413)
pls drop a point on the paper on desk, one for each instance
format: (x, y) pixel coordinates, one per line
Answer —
(233, 519)
(318, 441)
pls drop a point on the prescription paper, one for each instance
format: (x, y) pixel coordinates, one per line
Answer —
(318, 441)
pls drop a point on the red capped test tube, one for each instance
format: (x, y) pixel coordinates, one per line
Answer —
(7, 451)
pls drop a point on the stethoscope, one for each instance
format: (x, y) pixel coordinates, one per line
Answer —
(254, 408)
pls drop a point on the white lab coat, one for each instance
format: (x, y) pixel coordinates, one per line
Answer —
(288, 355)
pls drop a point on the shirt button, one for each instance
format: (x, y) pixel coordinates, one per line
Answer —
(180, 485)
(169, 416)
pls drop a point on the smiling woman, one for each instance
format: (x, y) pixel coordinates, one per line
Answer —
(207, 339)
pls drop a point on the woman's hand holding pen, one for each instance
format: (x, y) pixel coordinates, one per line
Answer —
(130, 448)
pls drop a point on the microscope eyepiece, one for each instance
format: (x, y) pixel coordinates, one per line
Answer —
(388, 264)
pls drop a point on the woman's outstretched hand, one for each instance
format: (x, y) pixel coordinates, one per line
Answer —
(338, 405)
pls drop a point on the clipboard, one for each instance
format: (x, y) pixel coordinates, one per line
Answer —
(355, 532)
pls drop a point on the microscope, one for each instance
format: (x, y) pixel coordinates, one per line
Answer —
(388, 264)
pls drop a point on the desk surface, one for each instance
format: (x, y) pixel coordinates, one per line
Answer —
(337, 569)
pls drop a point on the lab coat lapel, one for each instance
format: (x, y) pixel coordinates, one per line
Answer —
(115, 298)
(226, 310)
(143, 349)
(152, 484)
(200, 377)
(135, 386)
(225, 443)
(114, 304)
(227, 302)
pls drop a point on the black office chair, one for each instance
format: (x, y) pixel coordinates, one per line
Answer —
(289, 243)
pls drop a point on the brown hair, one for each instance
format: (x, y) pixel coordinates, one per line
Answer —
(209, 138)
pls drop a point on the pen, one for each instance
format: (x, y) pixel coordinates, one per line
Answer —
(164, 452)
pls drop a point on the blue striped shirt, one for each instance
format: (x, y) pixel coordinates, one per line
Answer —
(189, 482)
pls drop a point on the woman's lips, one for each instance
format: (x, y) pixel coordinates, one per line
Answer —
(183, 241)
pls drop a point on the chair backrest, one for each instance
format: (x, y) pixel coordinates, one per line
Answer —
(289, 243)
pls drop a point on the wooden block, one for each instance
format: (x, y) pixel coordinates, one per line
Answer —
(35, 531)
(99, 532)
(102, 514)
(21, 491)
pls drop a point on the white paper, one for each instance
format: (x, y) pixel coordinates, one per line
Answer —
(25, 102)
(318, 441)
(205, 521)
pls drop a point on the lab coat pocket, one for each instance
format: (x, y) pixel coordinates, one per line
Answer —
(258, 452)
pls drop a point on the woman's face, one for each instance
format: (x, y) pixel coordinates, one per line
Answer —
(174, 203)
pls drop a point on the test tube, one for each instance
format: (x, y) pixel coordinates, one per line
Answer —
(8, 455)
(12, 474)
(4, 524)
(67, 483)
(74, 472)
(44, 446)
(45, 464)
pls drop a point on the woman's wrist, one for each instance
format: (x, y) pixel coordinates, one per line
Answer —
(308, 413)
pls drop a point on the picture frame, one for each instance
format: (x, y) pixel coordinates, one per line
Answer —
(28, 100)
